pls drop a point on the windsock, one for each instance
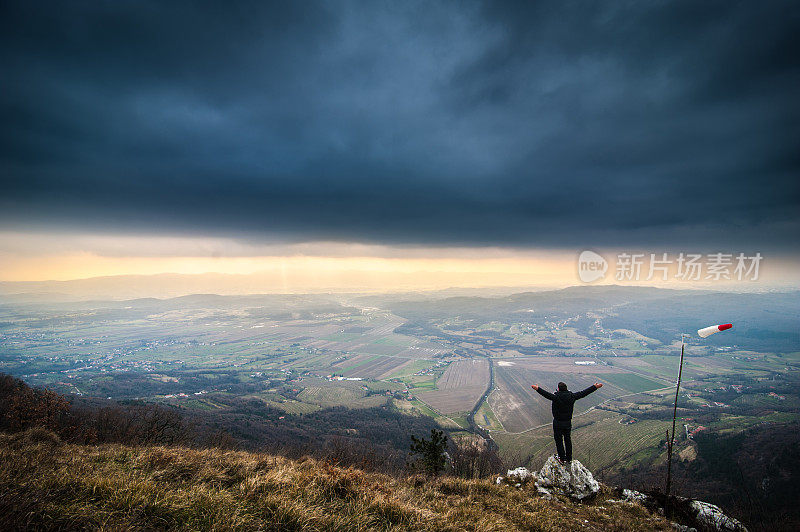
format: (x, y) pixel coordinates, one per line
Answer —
(708, 331)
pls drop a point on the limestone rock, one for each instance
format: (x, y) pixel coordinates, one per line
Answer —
(713, 518)
(697, 515)
(634, 496)
(519, 474)
(571, 479)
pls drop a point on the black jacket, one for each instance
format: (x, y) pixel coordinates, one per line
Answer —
(564, 401)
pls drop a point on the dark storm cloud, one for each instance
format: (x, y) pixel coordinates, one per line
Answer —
(544, 124)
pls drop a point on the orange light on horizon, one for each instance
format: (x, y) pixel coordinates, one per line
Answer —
(63, 257)
(87, 265)
(45, 256)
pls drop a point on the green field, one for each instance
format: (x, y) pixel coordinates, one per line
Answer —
(632, 382)
(412, 367)
(485, 418)
(359, 363)
(395, 341)
(460, 419)
(329, 395)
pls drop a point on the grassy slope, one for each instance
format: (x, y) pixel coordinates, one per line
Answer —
(47, 484)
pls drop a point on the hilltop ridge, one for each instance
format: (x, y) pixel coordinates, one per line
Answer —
(48, 484)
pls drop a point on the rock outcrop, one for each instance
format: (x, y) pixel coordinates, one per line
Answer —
(576, 482)
(711, 517)
(571, 479)
(701, 515)
(519, 474)
(517, 477)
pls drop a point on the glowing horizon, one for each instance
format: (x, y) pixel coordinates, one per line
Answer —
(73, 257)
(41, 257)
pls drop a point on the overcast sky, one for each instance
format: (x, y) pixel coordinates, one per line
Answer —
(540, 125)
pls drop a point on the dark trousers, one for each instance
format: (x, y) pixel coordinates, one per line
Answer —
(561, 432)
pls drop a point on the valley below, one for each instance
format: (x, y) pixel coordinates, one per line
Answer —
(329, 365)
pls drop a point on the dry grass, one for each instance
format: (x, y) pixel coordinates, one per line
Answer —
(47, 484)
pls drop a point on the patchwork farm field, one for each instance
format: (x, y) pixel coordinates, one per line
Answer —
(631, 382)
(369, 366)
(325, 393)
(665, 367)
(327, 396)
(459, 387)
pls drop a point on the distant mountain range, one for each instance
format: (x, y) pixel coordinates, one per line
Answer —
(166, 285)
(433, 284)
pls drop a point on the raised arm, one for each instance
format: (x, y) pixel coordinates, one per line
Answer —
(587, 391)
(544, 393)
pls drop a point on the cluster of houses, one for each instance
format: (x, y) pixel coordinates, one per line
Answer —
(182, 395)
(748, 357)
(714, 404)
(738, 388)
(690, 434)
(431, 370)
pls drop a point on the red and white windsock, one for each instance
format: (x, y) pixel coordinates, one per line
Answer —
(708, 331)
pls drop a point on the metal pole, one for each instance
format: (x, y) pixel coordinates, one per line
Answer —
(671, 441)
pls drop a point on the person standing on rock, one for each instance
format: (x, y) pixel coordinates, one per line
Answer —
(563, 402)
